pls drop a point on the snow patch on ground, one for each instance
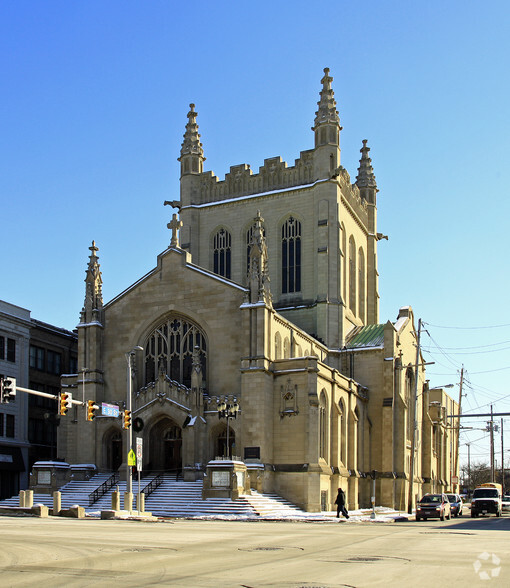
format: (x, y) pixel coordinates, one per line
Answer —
(382, 515)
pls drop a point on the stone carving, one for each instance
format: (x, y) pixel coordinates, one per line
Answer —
(288, 404)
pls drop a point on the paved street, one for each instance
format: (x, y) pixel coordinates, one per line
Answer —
(68, 552)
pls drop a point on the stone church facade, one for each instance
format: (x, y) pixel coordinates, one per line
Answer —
(266, 296)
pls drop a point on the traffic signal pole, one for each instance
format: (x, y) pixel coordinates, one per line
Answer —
(45, 395)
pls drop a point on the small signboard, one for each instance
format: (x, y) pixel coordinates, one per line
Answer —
(131, 458)
(111, 410)
(455, 479)
(139, 453)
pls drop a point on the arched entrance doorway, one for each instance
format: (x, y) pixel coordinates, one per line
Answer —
(113, 446)
(165, 446)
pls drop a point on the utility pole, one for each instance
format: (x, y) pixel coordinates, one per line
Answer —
(502, 461)
(414, 402)
(469, 463)
(491, 428)
(457, 432)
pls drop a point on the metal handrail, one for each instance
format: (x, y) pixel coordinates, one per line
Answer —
(103, 489)
(152, 485)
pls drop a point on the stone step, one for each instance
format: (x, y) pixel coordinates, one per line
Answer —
(171, 499)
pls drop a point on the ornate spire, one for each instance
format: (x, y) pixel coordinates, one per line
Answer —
(257, 272)
(93, 304)
(192, 154)
(327, 112)
(365, 177)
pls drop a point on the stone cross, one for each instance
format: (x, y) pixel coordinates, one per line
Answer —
(175, 224)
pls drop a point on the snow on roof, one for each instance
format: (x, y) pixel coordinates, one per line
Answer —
(257, 195)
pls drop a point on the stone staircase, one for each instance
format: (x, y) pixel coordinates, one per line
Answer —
(74, 492)
(172, 498)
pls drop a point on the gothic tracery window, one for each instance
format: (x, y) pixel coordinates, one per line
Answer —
(222, 244)
(169, 348)
(291, 256)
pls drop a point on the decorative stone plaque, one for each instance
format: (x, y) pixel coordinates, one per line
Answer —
(221, 478)
(43, 477)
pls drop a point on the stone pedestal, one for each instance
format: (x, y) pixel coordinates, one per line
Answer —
(57, 503)
(48, 476)
(256, 475)
(83, 471)
(128, 501)
(116, 500)
(192, 473)
(226, 478)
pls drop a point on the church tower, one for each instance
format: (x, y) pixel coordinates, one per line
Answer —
(319, 226)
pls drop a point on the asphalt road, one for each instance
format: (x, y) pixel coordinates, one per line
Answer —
(68, 552)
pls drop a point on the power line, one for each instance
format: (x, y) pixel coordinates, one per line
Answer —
(469, 352)
(466, 328)
(477, 346)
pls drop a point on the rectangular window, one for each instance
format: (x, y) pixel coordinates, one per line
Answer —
(1, 424)
(9, 425)
(37, 358)
(2, 347)
(54, 363)
(73, 365)
(11, 350)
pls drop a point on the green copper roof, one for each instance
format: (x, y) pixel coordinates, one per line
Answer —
(369, 336)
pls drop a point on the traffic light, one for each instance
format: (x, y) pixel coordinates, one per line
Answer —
(91, 408)
(65, 403)
(8, 388)
(127, 419)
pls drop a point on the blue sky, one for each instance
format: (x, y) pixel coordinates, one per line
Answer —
(93, 108)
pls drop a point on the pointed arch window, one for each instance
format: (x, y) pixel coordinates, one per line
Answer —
(361, 284)
(344, 263)
(222, 251)
(342, 434)
(291, 256)
(409, 387)
(277, 346)
(323, 426)
(169, 349)
(352, 275)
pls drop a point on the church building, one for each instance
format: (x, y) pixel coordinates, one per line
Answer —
(266, 299)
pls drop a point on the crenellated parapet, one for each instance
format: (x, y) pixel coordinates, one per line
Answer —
(241, 181)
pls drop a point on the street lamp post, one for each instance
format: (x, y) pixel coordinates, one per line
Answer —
(228, 411)
(129, 359)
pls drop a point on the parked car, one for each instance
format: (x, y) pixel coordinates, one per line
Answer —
(456, 504)
(433, 506)
(505, 503)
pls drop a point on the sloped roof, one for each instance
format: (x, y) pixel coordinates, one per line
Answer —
(362, 337)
